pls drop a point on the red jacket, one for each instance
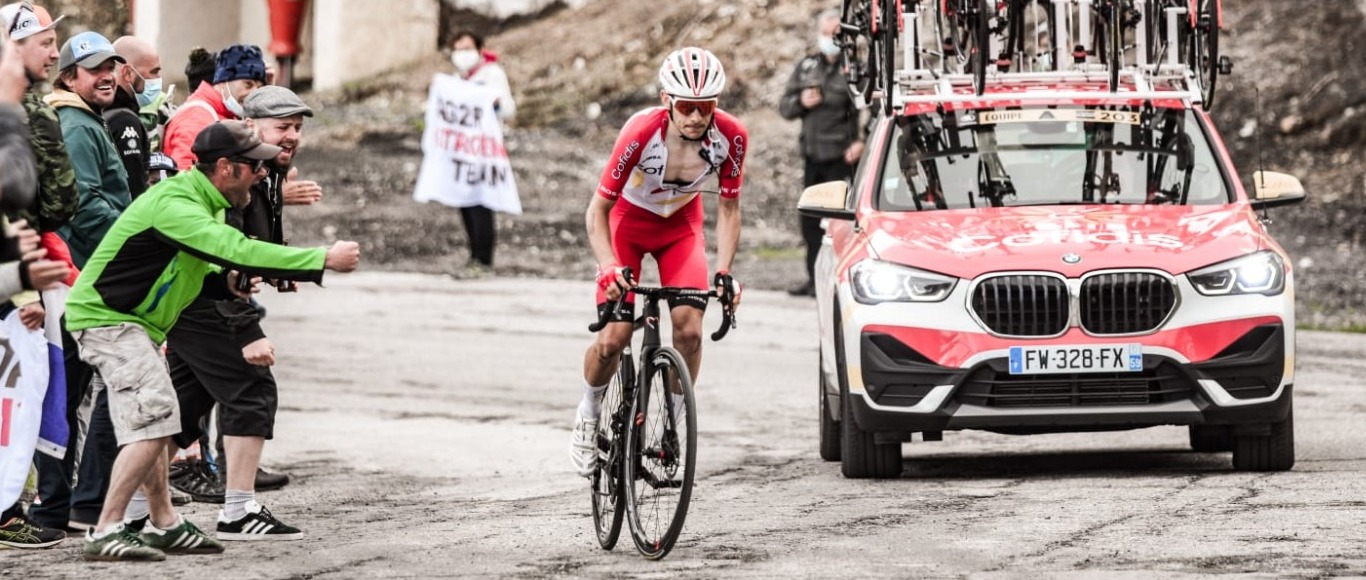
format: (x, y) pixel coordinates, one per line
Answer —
(203, 107)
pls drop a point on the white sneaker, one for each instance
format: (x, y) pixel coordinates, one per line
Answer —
(583, 445)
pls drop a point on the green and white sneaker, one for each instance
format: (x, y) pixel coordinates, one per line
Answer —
(185, 538)
(120, 545)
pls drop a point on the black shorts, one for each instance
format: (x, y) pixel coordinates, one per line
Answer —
(207, 367)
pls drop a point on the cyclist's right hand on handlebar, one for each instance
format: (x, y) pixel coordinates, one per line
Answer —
(614, 279)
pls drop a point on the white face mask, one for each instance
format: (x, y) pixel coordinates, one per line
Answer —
(464, 60)
(233, 106)
(827, 46)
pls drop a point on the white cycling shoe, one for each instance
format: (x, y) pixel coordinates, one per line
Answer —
(583, 445)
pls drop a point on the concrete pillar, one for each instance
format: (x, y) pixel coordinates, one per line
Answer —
(343, 40)
(356, 39)
(176, 26)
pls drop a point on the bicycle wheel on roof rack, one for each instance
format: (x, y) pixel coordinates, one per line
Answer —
(855, 38)
(1114, 42)
(981, 46)
(1203, 49)
(885, 53)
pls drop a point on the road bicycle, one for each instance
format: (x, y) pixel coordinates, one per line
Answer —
(647, 432)
(964, 27)
(1196, 41)
(867, 37)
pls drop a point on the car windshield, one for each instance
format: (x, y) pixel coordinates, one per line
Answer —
(1050, 156)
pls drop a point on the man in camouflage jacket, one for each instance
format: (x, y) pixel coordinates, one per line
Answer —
(56, 199)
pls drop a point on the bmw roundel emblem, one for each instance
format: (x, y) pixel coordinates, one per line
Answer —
(1071, 258)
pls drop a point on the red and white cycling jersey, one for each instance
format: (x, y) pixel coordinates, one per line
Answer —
(636, 168)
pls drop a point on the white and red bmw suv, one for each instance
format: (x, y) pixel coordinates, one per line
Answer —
(1052, 257)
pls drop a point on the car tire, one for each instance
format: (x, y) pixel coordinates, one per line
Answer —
(1210, 438)
(830, 427)
(1274, 452)
(861, 456)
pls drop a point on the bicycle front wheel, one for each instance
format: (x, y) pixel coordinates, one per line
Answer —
(662, 445)
(606, 480)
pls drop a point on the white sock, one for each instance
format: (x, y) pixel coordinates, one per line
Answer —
(152, 528)
(591, 404)
(235, 503)
(678, 409)
(98, 535)
(137, 507)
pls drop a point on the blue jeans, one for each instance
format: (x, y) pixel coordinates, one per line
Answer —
(60, 503)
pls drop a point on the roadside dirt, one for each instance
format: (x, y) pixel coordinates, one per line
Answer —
(1292, 104)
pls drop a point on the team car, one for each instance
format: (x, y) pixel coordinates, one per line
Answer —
(1052, 253)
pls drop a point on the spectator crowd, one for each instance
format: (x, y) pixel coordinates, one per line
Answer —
(135, 233)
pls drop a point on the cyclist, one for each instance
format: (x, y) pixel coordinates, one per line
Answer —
(647, 203)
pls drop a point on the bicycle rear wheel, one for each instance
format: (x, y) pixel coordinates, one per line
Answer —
(606, 481)
(662, 440)
(981, 47)
(1204, 50)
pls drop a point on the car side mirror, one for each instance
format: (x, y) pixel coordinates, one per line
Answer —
(1274, 189)
(826, 200)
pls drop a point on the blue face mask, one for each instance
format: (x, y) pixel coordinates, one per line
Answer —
(151, 90)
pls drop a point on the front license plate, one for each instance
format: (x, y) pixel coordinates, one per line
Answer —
(1042, 360)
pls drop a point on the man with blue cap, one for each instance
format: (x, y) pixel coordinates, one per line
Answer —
(240, 69)
(84, 89)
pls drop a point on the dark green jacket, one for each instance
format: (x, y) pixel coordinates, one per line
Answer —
(100, 177)
(152, 263)
(56, 200)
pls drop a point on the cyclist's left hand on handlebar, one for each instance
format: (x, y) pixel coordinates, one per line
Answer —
(727, 286)
(614, 279)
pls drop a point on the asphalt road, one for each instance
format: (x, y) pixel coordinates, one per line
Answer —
(426, 422)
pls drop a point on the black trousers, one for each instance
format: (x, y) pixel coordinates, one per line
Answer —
(819, 172)
(479, 226)
(60, 502)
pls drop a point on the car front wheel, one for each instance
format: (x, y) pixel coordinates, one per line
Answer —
(830, 428)
(861, 456)
(1274, 452)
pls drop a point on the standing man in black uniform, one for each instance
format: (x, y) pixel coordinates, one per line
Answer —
(818, 94)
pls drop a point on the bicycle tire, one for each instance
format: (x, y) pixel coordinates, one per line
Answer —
(607, 493)
(981, 48)
(1114, 39)
(1204, 51)
(657, 472)
(887, 53)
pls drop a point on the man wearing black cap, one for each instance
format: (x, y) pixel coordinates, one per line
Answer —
(150, 266)
(218, 352)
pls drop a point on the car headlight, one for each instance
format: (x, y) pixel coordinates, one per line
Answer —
(874, 282)
(1259, 273)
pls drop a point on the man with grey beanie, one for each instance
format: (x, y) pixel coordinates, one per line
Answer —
(217, 351)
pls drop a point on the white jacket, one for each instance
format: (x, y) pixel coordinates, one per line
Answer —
(490, 75)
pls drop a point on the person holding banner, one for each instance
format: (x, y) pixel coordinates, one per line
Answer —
(478, 67)
(648, 202)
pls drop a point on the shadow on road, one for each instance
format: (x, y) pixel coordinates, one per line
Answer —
(1119, 463)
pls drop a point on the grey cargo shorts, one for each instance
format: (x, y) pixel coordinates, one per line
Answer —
(142, 400)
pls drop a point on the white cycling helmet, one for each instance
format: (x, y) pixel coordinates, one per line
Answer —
(692, 73)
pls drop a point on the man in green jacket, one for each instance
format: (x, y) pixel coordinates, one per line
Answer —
(149, 267)
(85, 87)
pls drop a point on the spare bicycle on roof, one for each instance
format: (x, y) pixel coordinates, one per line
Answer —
(899, 51)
